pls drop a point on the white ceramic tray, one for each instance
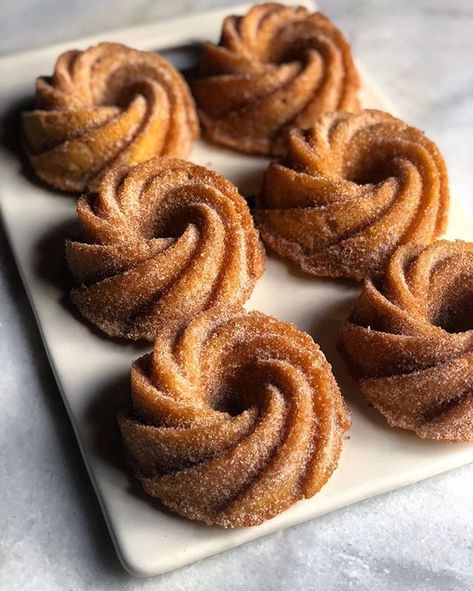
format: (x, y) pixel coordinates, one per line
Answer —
(92, 372)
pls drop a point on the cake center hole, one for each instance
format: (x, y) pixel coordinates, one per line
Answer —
(366, 168)
(456, 311)
(123, 84)
(239, 391)
(286, 49)
(231, 402)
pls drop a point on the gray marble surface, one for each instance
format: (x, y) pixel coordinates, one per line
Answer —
(53, 536)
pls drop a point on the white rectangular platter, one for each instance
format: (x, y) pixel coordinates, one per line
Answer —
(92, 372)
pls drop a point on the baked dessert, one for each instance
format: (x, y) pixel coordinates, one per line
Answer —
(162, 241)
(409, 341)
(352, 189)
(275, 68)
(234, 419)
(106, 106)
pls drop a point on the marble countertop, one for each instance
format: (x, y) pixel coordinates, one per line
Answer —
(53, 535)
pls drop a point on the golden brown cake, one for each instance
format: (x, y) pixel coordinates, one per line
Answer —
(106, 106)
(409, 341)
(352, 189)
(234, 419)
(275, 68)
(162, 241)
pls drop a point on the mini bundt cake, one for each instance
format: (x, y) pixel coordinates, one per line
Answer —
(409, 341)
(234, 419)
(352, 189)
(106, 106)
(275, 68)
(162, 241)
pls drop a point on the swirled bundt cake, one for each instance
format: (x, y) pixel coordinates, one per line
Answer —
(275, 68)
(234, 419)
(409, 341)
(162, 241)
(352, 189)
(106, 106)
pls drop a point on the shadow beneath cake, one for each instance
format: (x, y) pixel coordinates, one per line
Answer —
(295, 271)
(325, 333)
(50, 260)
(106, 441)
(185, 57)
(10, 135)
(101, 416)
(11, 140)
(51, 266)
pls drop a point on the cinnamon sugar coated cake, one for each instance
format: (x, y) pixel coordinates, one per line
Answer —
(275, 68)
(161, 242)
(409, 341)
(106, 106)
(234, 419)
(352, 188)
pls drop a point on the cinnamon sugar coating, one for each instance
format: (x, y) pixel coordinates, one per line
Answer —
(106, 106)
(162, 241)
(275, 68)
(234, 419)
(409, 341)
(352, 189)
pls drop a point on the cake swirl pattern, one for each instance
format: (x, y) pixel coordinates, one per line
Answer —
(106, 106)
(234, 419)
(409, 341)
(275, 68)
(162, 241)
(352, 189)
